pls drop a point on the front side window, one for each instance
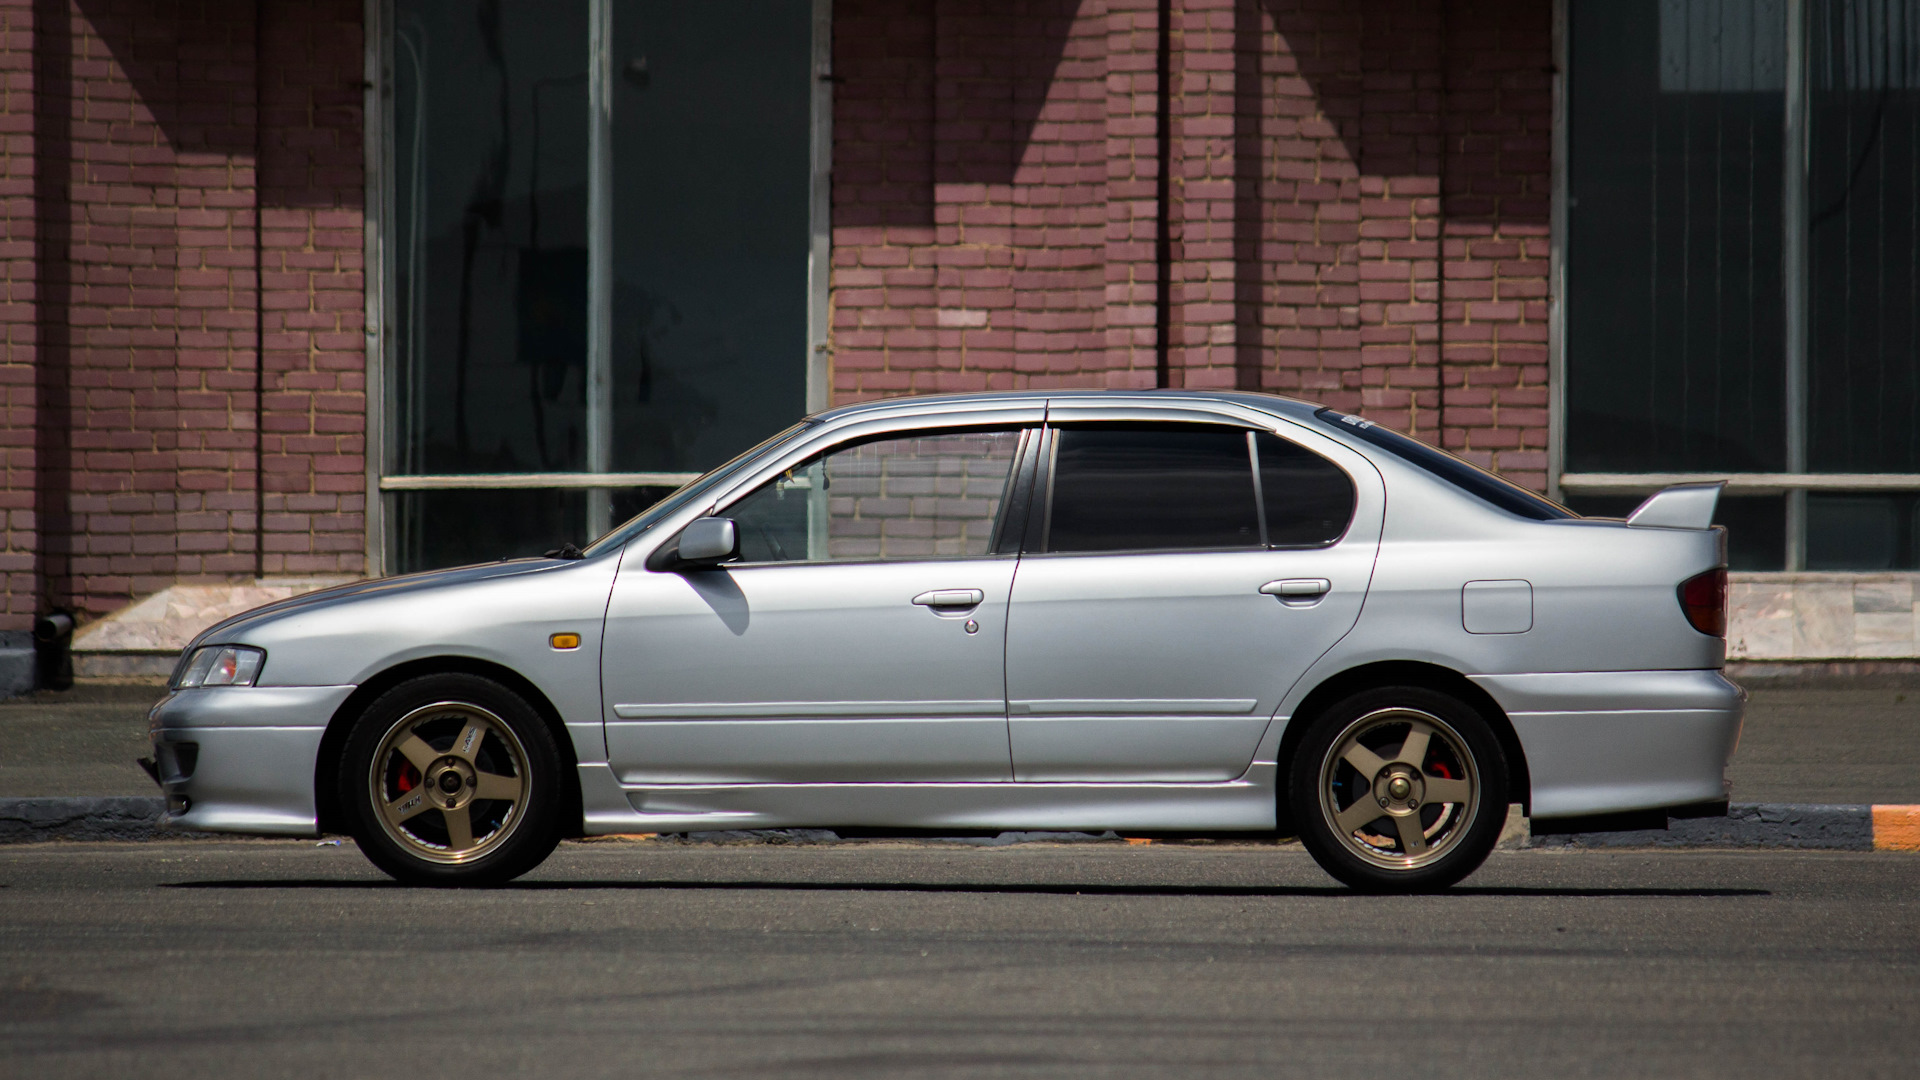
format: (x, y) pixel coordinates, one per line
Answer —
(919, 496)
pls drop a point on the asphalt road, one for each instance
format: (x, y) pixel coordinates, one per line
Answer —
(888, 959)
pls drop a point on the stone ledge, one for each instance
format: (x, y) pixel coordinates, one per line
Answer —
(1823, 615)
(143, 639)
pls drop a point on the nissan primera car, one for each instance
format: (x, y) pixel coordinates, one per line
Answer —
(1138, 611)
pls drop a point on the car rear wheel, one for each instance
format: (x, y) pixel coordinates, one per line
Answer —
(1399, 789)
(452, 780)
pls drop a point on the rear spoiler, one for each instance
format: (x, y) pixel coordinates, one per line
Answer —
(1682, 506)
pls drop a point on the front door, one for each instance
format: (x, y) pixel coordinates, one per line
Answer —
(1187, 576)
(860, 636)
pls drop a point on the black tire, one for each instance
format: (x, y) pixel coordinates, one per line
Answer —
(440, 754)
(1426, 830)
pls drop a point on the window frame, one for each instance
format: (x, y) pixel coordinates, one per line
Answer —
(386, 482)
(1797, 481)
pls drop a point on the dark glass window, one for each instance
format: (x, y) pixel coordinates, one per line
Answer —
(1675, 346)
(435, 529)
(1863, 243)
(1151, 487)
(712, 172)
(1307, 499)
(1863, 531)
(490, 237)
(1477, 482)
(708, 238)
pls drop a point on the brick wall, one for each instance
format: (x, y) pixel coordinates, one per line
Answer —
(184, 183)
(1346, 201)
(1354, 206)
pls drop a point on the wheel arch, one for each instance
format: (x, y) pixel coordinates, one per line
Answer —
(1401, 673)
(331, 815)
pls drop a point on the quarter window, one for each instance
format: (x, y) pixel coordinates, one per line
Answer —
(1308, 500)
(922, 496)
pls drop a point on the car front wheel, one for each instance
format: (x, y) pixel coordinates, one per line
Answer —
(1399, 789)
(452, 780)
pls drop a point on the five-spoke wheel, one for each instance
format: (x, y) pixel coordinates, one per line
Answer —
(451, 779)
(1399, 789)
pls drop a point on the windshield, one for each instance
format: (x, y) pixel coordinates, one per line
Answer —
(692, 491)
(1510, 497)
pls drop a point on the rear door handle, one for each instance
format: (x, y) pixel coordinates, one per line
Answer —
(950, 598)
(1297, 588)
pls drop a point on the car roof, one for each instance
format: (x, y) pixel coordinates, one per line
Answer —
(1001, 399)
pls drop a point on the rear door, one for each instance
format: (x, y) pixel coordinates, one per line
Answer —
(1180, 578)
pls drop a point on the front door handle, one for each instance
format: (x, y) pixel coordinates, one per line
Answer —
(950, 598)
(1297, 588)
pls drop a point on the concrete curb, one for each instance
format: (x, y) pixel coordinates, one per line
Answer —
(1755, 825)
(122, 817)
(1758, 825)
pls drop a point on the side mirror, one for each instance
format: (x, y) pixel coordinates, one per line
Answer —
(703, 543)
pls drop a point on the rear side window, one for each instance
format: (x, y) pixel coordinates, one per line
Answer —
(1151, 487)
(1308, 500)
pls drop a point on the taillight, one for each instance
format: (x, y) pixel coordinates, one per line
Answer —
(1704, 598)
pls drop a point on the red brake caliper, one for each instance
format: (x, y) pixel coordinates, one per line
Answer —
(409, 776)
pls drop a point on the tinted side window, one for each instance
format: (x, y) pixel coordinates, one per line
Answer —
(907, 497)
(1308, 500)
(1146, 487)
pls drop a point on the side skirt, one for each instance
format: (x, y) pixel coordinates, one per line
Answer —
(1243, 804)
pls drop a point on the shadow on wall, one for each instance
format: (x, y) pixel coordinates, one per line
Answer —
(1408, 88)
(145, 139)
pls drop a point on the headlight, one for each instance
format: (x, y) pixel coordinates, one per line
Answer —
(221, 665)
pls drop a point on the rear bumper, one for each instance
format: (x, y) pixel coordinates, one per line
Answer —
(1603, 742)
(241, 759)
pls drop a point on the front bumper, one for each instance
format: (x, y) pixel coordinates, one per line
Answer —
(241, 758)
(1603, 742)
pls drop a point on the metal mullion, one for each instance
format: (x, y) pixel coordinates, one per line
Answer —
(819, 357)
(1794, 274)
(599, 260)
(589, 482)
(1557, 262)
(1747, 483)
(377, 146)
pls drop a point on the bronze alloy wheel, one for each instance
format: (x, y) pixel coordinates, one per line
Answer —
(451, 782)
(1399, 788)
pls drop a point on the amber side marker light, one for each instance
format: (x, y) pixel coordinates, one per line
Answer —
(1704, 598)
(564, 641)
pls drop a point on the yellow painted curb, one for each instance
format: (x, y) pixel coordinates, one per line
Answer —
(1896, 828)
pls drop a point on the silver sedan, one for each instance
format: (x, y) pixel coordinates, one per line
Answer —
(1148, 612)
